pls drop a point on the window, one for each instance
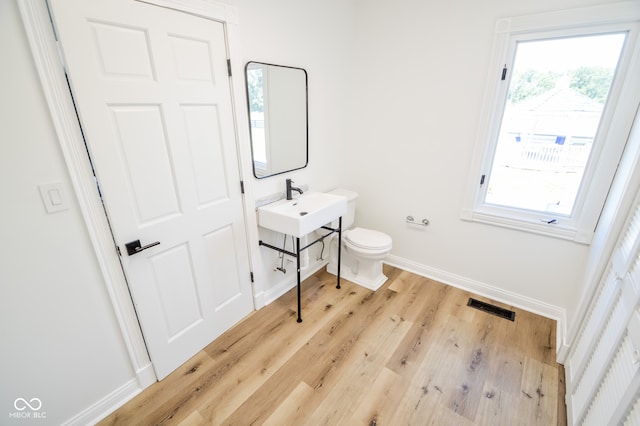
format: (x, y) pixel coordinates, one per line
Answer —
(552, 138)
(556, 96)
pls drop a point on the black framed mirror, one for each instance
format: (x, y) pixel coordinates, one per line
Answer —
(278, 118)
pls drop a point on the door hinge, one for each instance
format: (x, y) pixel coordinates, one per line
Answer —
(251, 274)
(504, 72)
(229, 67)
(118, 251)
(482, 179)
(242, 186)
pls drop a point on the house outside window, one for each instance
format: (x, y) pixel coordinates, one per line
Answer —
(256, 85)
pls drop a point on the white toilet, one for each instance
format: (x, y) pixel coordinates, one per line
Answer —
(362, 249)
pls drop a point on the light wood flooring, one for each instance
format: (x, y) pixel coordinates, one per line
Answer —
(411, 353)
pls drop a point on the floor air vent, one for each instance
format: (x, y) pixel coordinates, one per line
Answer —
(492, 309)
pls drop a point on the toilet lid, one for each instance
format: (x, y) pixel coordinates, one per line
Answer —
(368, 239)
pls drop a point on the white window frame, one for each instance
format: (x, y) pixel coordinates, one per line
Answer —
(616, 121)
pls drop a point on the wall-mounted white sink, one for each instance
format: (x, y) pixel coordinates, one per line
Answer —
(302, 215)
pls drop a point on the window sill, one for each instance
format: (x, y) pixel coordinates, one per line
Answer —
(555, 230)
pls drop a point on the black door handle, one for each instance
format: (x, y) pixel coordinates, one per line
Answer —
(134, 247)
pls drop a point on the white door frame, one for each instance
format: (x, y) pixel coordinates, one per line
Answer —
(47, 59)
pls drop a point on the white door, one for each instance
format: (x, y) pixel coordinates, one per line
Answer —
(153, 96)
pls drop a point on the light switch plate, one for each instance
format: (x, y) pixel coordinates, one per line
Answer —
(53, 197)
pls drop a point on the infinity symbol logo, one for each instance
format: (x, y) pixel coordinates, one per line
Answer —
(21, 404)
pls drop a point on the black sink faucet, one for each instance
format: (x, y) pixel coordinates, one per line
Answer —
(291, 188)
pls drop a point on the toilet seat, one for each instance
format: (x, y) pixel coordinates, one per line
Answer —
(368, 240)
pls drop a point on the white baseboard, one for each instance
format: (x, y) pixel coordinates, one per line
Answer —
(146, 376)
(107, 405)
(486, 290)
(562, 349)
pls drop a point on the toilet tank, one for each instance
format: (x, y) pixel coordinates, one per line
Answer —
(349, 218)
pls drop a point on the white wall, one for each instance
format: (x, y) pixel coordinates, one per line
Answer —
(60, 340)
(421, 71)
